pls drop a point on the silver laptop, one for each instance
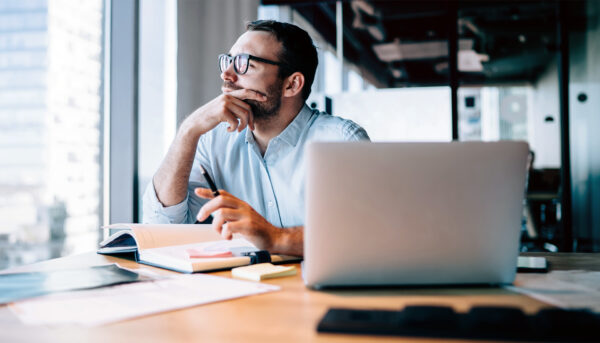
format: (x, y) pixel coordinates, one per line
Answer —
(413, 213)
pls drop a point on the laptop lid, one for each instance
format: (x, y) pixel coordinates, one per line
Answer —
(413, 213)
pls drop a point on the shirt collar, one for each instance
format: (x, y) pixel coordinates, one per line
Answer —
(291, 134)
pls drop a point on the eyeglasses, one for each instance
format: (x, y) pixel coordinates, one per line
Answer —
(241, 62)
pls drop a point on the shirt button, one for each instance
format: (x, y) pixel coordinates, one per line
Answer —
(270, 203)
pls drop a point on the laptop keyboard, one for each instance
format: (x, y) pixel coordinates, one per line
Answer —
(481, 322)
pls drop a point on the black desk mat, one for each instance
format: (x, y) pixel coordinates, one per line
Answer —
(481, 323)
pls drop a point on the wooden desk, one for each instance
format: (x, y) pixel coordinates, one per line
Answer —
(290, 315)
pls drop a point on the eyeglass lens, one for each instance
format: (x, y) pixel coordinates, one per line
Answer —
(240, 63)
(224, 62)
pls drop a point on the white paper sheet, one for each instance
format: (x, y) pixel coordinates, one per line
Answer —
(112, 304)
(566, 289)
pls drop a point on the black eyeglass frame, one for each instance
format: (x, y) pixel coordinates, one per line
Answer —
(231, 59)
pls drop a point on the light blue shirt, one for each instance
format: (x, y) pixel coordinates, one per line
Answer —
(272, 184)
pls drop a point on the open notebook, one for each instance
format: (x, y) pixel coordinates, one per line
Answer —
(186, 248)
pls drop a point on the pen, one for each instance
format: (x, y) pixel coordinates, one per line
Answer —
(211, 184)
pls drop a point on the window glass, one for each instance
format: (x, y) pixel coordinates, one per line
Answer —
(51, 67)
(420, 114)
(157, 88)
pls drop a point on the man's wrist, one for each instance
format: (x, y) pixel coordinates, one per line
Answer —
(288, 241)
(277, 240)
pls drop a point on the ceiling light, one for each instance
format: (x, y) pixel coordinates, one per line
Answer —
(397, 73)
(397, 51)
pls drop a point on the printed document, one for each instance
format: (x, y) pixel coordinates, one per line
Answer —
(112, 304)
(568, 289)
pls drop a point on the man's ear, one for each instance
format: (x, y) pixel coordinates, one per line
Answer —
(293, 84)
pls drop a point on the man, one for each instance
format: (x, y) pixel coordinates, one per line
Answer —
(251, 139)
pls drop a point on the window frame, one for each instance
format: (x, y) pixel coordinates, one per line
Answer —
(120, 193)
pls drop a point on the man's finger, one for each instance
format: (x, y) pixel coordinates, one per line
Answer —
(241, 108)
(225, 231)
(239, 102)
(218, 221)
(240, 113)
(248, 94)
(220, 202)
(232, 120)
(207, 193)
(204, 192)
(236, 226)
(226, 194)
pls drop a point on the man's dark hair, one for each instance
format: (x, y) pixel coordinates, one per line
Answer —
(298, 51)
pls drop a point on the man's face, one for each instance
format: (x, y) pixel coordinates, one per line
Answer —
(260, 77)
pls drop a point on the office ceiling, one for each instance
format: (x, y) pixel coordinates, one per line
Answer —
(405, 43)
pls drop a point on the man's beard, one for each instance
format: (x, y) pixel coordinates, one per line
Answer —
(264, 110)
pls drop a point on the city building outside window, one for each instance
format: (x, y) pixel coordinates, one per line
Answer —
(51, 67)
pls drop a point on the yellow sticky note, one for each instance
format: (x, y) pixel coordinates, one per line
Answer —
(261, 271)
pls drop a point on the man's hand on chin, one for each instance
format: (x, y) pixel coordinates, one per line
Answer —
(230, 107)
(232, 215)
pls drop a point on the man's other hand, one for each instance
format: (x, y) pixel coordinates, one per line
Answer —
(232, 215)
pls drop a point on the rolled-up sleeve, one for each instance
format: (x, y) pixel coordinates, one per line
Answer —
(155, 213)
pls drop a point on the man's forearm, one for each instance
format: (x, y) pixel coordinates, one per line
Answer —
(290, 241)
(172, 177)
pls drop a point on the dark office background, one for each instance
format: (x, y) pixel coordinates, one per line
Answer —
(552, 45)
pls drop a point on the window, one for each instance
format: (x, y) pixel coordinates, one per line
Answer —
(51, 67)
(420, 114)
(157, 88)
